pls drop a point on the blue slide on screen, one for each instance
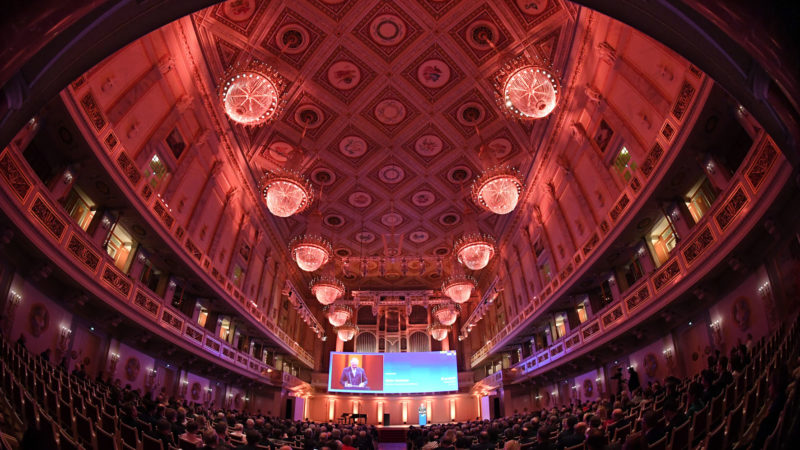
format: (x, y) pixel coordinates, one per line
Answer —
(393, 373)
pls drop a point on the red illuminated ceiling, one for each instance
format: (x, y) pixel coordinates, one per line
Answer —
(398, 98)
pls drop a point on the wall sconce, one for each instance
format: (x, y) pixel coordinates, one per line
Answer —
(716, 332)
(668, 356)
(114, 360)
(764, 290)
(15, 298)
(68, 177)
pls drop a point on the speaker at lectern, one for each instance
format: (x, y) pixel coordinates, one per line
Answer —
(423, 415)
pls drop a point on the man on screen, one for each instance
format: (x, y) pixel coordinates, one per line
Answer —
(354, 376)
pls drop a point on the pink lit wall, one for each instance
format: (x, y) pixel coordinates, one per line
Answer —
(132, 367)
(466, 407)
(41, 321)
(651, 362)
(742, 311)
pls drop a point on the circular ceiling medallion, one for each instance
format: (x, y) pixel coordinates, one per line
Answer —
(387, 29)
(532, 7)
(428, 145)
(423, 198)
(500, 148)
(390, 112)
(482, 35)
(459, 174)
(279, 151)
(309, 116)
(344, 75)
(441, 251)
(352, 146)
(392, 219)
(323, 176)
(334, 220)
(365, 237)
(359, 199)
(419, 236)
(239, 11)
(391, 173)
(343, 252)
(433, 73)
(470, 114)
(449, 219)
(292, 39)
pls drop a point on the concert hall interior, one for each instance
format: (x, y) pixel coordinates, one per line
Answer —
(367, 210)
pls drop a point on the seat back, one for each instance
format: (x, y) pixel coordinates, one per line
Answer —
(660, 444)
(129, 435)
(48, 428)
(151, 443)
(733, 425)
(67, 443)
(699, 425)
(84, 430)
(620, 433)
(680, 437)
(715, 415)
(105, 440)
(108, 423)
(186, 445)
(715, 439)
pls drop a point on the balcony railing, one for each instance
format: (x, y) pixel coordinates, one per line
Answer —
(76, 247)
(111, 154)
(622, 209)
(745, 190)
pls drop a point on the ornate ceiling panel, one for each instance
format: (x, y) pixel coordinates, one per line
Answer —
(392, 108)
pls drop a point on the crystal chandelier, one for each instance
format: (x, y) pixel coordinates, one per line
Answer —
(346, 331)
(498, 189)
(474, 250)
(338, 315)
(459, 287)
(310, 251)
(531, 92)
(438, 331)
(286, 192)
(250, 95)
(446, 313)
(327, 289)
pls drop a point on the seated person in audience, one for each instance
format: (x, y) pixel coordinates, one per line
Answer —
(569, 436)
(511, 445)
(130, 415)
(45, 355)
(483, 442)
(674, 418)
(694, 398)
(252, 438)
(724, 376)
(778, 380)
(347, 443)
(210, 440)
(595, 440)
(543, 440)
(163, 432)
(651, 428)
(191, 434)
(618, 421)
(221, 428)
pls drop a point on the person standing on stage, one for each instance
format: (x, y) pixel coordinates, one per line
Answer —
(354, 376)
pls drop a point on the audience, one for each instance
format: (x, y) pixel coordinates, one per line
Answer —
(171, 421)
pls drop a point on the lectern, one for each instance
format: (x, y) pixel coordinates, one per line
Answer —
(423, 415)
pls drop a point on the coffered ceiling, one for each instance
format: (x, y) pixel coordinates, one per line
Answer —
(389, 104)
